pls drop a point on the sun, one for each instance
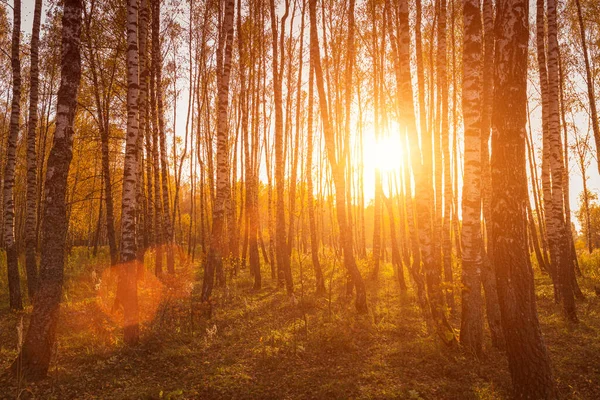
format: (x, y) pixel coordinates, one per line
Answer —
(383, 155)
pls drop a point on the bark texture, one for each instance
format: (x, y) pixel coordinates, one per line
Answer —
(217, 248)
(529, 363)
(471, 332)
(34, 359)
(12, 261)
(31, 206)
(127, 284)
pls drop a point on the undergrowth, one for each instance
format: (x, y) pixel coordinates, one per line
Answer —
(266, 345)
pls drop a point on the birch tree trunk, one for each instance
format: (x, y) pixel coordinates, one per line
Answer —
(12, 261)
(34, 360)
(294, 176)
(343, 161)
(377, 203)
(447, 178)
(158, 204)
(164, 184)
(31, 207)
(146, 79)
(553, 170)
(314, 241)
(562, 259)
(283, 260)
(127, 284)
(488, 275)
(214, 258)
(421, 169)
(541, 44)
(471, 332)
(250, 176)
(143, 215)
(420, 76)
(400, 51)
(529, 363)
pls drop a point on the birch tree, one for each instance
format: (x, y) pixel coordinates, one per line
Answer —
(143, 229)
(422, 173)
(314, 241)
(336, 162)
(12, 257)
(471, 332)
(528, 359)
(30, 219)
(281, 249)
(553, 168)
(102, 96)
(589, 81)
(34, 359)
(214, 258)
(488, 275)
(163, 189)
(127, 284)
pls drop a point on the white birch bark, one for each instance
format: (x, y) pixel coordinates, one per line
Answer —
(471, 333)
(31, 205)
(34, 360)
(127, 290)
(12, 262)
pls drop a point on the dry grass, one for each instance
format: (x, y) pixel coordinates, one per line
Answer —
(261, 345)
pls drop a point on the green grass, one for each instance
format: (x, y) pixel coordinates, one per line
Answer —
(262, 345)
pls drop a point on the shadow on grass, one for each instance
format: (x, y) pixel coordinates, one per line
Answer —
(262, 345)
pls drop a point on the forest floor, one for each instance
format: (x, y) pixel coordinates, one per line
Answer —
(263, 345)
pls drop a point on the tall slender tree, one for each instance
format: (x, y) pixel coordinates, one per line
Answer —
(127, 285)
(30, 221)
(446, 227)
(377, 197)
(488, 275)
(471, 332)
(400, 44)
(157, 196)
(102, 97)
(314, 241)
(34, 359)
(553, 162)
(564, 265)
(143, 217)
(214, 258)
(251, 200)
(589, 81)
(281, 250)
(528, 359)
(337, 164)
(167, 233)
(12, 257)
(420, 157)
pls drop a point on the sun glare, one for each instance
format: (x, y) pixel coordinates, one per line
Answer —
(383, 155)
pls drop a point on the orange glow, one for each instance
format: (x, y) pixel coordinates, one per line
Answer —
(384, 155)
(151, 290)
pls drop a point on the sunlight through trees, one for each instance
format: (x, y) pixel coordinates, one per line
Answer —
(187, 166)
